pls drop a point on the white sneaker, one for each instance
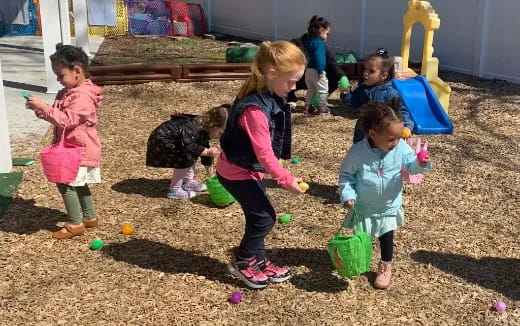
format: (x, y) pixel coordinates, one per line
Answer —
(180, 194)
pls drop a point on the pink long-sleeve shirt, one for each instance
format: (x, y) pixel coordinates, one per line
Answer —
(254, 122)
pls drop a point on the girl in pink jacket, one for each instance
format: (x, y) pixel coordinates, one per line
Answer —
(75, 109)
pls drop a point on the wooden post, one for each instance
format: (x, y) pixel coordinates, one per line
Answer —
(5, 145)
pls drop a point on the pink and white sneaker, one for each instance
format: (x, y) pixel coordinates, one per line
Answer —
(249, 272)
(276, 274)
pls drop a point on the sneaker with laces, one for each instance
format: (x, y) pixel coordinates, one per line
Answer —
(384, 275)
(180, 194)
(249, 272)
(194, 185)
(276, 274)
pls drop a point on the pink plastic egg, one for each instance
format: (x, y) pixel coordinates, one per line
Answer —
(422, 155)
(500, 306)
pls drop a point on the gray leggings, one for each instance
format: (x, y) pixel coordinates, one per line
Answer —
(78, 201)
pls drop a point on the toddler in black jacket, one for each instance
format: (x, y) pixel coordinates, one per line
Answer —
(178, 143)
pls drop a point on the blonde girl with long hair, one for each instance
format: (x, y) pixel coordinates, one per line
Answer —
(257, 134)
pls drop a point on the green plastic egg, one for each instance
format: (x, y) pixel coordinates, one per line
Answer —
(96, 244)
(344, 83)
(285, 218)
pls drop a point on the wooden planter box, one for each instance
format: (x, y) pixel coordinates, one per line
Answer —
(145, 73)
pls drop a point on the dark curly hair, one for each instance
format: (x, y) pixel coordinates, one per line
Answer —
(378, 115)
(316, 24)
(70, 56)
(387, 62)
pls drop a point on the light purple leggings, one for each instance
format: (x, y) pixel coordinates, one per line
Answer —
(179, 174)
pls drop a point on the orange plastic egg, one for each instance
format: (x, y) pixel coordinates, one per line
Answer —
(127, 229)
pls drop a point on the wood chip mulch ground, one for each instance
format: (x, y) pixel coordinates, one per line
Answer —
(458, 254)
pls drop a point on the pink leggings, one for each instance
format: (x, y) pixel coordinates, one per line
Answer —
(179, 174)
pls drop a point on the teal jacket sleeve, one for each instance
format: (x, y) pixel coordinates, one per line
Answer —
(347, 178)
(315, 50)
(320, 58)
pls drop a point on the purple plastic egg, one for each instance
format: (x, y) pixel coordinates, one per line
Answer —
(500, 306)
(235, 298)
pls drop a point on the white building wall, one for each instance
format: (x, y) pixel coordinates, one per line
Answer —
(502, 41)
(478, 37)
(344, 16)
(247, 18)
(455, 40)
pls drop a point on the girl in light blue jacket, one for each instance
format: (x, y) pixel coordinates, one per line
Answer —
(370, 178)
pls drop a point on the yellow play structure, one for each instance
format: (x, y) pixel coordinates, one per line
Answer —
(423, 12)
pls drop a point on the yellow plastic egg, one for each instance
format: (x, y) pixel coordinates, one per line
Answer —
(406, 133)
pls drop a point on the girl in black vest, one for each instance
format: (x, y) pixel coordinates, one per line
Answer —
(257, 134)
(178, 143)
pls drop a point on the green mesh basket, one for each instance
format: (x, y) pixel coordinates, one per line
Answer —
(349, 57)
(351, 255)
(217, 192)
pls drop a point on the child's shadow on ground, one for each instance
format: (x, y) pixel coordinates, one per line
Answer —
(204, 199)
(327, 192)
(498, 274)
(336, 109)
(154, 188)
(165, 258)
(24, 217)
(339, 109)
(320, 277)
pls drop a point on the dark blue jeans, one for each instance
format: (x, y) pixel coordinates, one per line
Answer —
(258, 211)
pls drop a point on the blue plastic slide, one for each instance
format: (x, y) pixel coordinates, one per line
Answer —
(424, 107)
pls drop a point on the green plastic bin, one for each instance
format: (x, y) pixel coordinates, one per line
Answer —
(241, 54)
